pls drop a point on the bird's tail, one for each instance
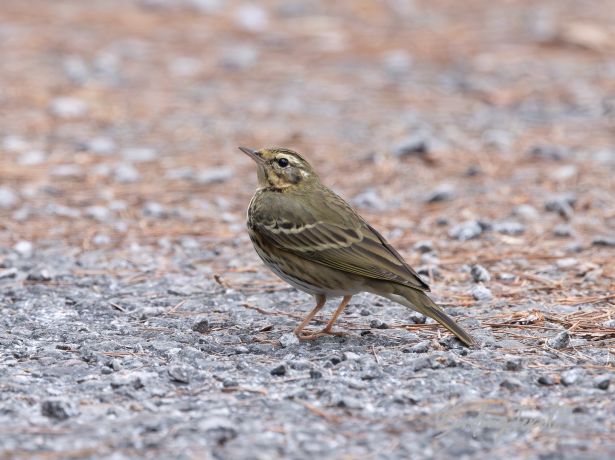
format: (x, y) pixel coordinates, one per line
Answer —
(419, 301)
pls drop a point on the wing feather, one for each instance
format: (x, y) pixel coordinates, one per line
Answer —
(341, 240)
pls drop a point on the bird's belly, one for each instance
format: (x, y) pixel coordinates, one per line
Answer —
(308, 276)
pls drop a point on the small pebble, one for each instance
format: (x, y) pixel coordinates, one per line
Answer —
(609, 323)
(509, 228)
(201, 327)
(466, 231)
(559, 341)
(564, 173)
(8, 273)
(8, 198)
(511, 384)
(507, 277)
(14, 144)
(315, 374)
(39, 274)
(444, 192)
(252, 18)
(423, 246)
(240, 57)
(369, 199)
(154, 209)
(513, 363)
(67, 171)
(421, 347)
(562, 231)
(101, 146)
(480, 274)
(526, 212)
(417, 318)
(547, 380)
(351, 356)
(378, 324)
(288, 340)
(548, 152)
(567, 262)
(24, 248)
(571, 376)
(397, 62)
(99, 213)
(32, 158)
(481, 293)
(607, 241)
(68, 107)
(58, 409)
(563, 205)
(602, 382)
(415, 145)
(278, 370)
(126, 173)
(139, 154)
(180, 374)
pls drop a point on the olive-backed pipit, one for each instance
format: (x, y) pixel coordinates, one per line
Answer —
(314, 240)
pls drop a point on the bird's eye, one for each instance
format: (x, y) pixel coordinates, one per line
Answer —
(283, 162)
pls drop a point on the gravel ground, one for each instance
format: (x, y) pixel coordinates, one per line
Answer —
(137, 321)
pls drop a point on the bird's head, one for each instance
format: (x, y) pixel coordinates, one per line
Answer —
(281, 168)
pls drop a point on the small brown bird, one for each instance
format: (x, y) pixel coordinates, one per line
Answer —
(314, 240)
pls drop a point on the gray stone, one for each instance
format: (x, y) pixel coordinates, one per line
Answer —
(24, 248)
(101, 146)
(466, 231)
(278, 370)
(415, 145)
(8, 198)
(421, 347)
(559, 341)
(126, 173)
(378, 324)
(32, 158)
(289, 339)
(562, 231)
(139, 154)
(549, 152)
(480, 274)
(369, 199)
(68, 107)
(509, 228)
(481, 293)
(511, 384)
(527, 212)
(252, 18)
(180, 374)
(606, 241)
(99, 213)
(563, 205)
(571, 376)
(444, 192)
(423, 246)
(513, 363)
(602, 382)
(59, 409)
(547, 380)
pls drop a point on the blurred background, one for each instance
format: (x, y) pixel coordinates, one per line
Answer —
(121, 119)
(478, 136)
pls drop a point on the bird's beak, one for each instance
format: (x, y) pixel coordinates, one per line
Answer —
(254, 154)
